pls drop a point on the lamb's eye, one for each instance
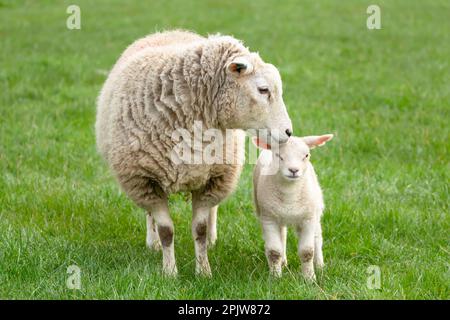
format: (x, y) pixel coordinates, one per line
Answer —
(263, 90)
(306, 157)
(278, 155)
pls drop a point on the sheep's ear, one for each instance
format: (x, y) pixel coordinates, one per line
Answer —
(240, 66)
(317, 141)
(261, 144)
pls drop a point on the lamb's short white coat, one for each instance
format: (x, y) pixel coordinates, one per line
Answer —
(287, 192)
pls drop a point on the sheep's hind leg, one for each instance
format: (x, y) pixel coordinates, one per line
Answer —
(148, 195)
(153, 241)
(200, 233)
(212, 226)
(160, 213)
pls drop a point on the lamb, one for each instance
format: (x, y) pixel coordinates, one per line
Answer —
(169, 81)
(287, 192)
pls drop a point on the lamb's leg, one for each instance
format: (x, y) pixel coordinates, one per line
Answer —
(212, 226)
(306, 248)
(318, 255)
(273, 245)
(165, 229)
(284, 240)
(153, 241)
(200, 233)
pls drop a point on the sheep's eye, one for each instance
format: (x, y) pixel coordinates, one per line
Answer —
(278, 155)
(306, 157)
(263, 90)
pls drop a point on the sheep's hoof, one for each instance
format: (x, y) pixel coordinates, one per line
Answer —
(284, 262)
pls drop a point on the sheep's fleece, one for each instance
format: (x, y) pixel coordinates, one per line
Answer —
(164, 82)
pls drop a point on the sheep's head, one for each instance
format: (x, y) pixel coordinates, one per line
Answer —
(292, 158)
(257, 101)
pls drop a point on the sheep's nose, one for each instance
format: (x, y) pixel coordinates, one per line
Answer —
(288, 132)
(294, 171)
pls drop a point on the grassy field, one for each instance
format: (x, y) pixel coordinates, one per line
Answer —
(385, 94)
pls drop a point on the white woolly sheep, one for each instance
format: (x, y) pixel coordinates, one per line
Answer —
(287, 192)
(168, 81)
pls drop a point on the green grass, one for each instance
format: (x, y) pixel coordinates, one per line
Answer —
(384, 93)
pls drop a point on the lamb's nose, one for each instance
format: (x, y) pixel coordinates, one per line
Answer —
(294, 171)
(288, 132)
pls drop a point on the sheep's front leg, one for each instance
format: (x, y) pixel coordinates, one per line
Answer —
(212, 226)
(199, 233)
(153, 241)
(165, 231)
(273, 245)
(306, 233)
(318, 255)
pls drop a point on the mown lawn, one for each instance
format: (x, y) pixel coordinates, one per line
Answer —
(385, 94)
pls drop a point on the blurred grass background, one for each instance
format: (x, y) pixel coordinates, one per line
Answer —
(384, 93)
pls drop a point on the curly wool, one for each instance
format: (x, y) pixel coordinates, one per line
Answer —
(160, 83)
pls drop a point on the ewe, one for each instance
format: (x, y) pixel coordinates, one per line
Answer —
(287, 192)
(168, 81)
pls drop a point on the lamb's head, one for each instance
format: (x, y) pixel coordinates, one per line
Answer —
(291, 158)
(256, 97)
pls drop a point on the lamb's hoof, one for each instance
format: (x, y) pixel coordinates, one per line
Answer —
(319, 265)
(284, 262)
(170, 271)
(154, 245)
(310, 277)
(203, 271)
(204, 274)
(212, 242)
(276, 272)
(276, 275)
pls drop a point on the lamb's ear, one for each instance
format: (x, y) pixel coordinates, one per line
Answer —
(261, 144)
(240, 66)
(317, 141)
